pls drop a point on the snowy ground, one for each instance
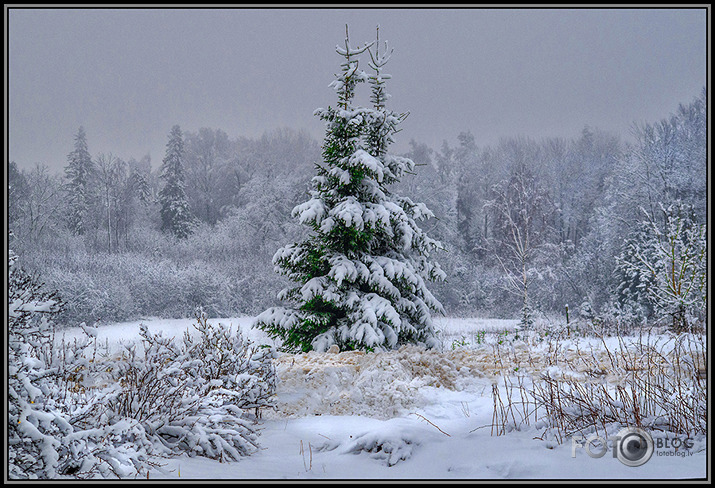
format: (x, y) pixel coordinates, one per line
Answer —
(407, 414)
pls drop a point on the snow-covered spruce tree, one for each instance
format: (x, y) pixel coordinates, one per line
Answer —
(361, 272)
(79, 171)
(664, 266)
(176, 216)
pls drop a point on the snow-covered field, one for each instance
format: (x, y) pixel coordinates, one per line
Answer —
(406, 414)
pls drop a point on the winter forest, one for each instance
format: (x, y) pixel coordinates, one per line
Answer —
(396, 281)
(536, 223)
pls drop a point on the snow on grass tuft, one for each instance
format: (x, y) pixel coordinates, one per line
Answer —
(382, 385)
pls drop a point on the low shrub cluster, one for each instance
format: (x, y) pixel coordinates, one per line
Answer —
(79, 410)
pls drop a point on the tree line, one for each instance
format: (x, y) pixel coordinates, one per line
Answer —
(613, 230)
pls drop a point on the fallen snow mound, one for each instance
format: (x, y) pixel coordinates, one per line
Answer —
(394, 441)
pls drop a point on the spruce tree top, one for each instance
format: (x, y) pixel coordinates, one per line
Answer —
(176, 215)
(78, 172)
(79, 162)
(361, 272)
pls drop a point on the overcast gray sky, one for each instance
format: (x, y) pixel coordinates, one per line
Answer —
(128, 75)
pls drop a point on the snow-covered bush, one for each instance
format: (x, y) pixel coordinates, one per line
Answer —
(230, 367)
(78, 411)
(33, 426)
(192, 396)
(50, 434)
(618, 318)
(128, 286)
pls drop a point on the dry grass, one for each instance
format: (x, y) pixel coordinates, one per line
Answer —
(381, 384)
(558, 383)
(653, 382)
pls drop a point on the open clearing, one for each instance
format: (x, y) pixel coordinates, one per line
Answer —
(415, 414)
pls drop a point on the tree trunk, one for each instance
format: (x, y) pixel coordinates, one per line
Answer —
(109, 223)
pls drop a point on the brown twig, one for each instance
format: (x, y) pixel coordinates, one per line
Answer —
(429, 422)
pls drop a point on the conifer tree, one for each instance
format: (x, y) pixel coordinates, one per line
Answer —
(79, 172)
(663, 265)
(176, 215)
(361, 272)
